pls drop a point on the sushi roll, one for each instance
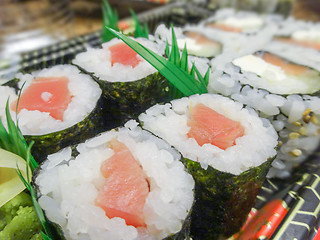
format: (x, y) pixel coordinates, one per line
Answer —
(299, 33)
(282, 87)
(57, 106)
(129, 83)
(122, 184)
(240, 29)
(195, 39)
(227, 148)
(243, 22)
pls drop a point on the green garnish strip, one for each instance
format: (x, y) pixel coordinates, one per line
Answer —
(175, 70)
(110, 19)
(13, 141)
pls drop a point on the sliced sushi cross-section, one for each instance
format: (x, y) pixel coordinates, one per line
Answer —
(122, 184)
(278, 75)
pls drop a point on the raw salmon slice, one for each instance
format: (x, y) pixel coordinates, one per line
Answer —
(224, 27)
(289, 68)
(123, 54)
(208, 126)
(46, 94)
(125, 189)
(308, 44)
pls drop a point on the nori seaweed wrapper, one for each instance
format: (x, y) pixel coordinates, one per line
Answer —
(223, 200)
(126, 100)
(183, 234)
(96, 122)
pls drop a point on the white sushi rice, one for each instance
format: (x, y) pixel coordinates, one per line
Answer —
(98, 62)
(286, 112)
(274, 78)
(163, 34)
(69, 187)
(169, 121)
(84, 91)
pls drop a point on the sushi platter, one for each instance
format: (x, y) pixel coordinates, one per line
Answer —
(219, 143)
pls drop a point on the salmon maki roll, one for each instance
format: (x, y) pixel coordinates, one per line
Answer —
(227, 148)
(129, 83)
(55, 107)
(282, 83)
(122, 184)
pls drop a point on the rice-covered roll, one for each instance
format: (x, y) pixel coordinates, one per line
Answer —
(241, 29)
(283, 87)
(299, 33)
(197, 42)
(227, 148)
(129, 83)
(57, 107)
(122, 184)
(231, 20)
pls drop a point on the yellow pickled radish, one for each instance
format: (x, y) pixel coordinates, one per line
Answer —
(10, 183)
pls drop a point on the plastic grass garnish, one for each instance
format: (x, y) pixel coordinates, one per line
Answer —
(175, 69)
(109, 18)
(13, 141)
(140, 30)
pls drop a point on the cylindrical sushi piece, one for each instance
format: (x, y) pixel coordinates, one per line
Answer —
(122, 184)
(238, 29)
(57, 107)
(227, 148)
(231, 20)
(282, 87)
(299, 34)
(195, 39)
(129, 83)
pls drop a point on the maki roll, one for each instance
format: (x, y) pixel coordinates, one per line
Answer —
(129, 83)
(299, 34)
(122, 184)
(195, 39)
(57, 106)
(240, 22)
(227, 148)
(282, 87)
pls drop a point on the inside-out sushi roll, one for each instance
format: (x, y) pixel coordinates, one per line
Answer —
(122, 184)
(57, 106)
(195, 39)
(129, 83)
(283, 87)
(278, 75)
(299, 33)
(226, 147)
(230, 20)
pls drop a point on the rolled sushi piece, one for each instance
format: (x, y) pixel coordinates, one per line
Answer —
(57, 107)
(233, 21)
(299, 33)
(227, 148)
(282, 87)
(195, 39)
(240, 29)
(121, 184)
(129, 83)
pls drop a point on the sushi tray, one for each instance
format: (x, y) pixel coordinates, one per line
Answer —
(229, 152)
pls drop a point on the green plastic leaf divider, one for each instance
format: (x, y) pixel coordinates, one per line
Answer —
(13, 141)
(180, 78)
(140, 31)
(109, 18)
